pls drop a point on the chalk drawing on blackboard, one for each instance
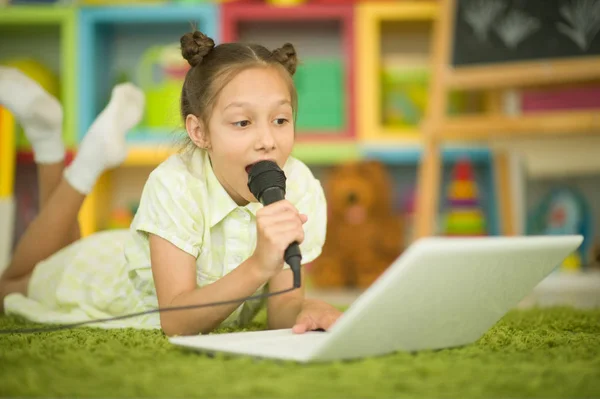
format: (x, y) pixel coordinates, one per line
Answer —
(516, 27)
(481, 14)
(583, 17)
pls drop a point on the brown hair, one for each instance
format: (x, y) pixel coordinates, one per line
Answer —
(212, 67)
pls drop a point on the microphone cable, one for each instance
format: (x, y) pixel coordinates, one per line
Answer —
(165, 309)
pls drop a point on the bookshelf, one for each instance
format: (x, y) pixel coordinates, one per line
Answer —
(393, 47)
(348, 43)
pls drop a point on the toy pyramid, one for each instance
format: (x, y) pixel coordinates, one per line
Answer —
(464, 216)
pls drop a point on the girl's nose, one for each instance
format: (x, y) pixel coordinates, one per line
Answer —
(265, 140)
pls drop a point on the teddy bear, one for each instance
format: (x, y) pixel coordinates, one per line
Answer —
(364, 234)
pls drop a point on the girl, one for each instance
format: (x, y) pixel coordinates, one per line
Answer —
(199, 235)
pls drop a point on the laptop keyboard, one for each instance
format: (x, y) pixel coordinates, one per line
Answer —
(277, 341)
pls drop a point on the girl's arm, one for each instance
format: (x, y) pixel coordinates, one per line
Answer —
(282, 310)
(293, 310)
(174, 273)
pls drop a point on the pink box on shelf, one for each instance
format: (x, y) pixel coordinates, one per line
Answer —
(561, 99)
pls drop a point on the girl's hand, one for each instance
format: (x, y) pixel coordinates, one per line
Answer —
(315, 315)
(278, 225)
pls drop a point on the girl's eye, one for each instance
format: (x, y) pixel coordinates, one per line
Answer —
(241, 123)
(280, 121)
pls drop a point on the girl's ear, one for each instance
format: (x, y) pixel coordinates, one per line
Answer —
(196, 131)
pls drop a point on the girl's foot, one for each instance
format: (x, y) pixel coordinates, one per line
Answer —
(104, 146)
(39, 114)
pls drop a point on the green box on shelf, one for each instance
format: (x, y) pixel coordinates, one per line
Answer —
(405, 92)
(320, 94)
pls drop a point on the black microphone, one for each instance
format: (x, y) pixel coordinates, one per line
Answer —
(266, 182)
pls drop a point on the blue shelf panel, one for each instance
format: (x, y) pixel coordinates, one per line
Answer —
(149, 136)
(411, 155)
(113, 40)
(153, 13)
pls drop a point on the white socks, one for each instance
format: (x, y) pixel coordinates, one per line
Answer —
(38, 112)
(104, 147)
(41, 116)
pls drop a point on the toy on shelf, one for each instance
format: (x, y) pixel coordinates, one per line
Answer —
(565, 211)
(464, 216)
(364, 233)
(160, 73)
(405, 89)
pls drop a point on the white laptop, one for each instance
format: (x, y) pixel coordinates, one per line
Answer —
(440, 293)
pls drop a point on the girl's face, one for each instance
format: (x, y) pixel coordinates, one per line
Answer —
(251, 121)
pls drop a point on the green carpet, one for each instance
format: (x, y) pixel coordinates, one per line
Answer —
(551, 353)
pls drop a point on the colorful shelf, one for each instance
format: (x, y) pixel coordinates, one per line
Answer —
(324, 154)
(103, 35)
(99, 44)
(369, 19)
(317, 76)
(411, 155)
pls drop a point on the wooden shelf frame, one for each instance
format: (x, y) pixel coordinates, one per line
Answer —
(439, 128)
(369, 17)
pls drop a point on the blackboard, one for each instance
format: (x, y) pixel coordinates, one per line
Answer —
(501, 31)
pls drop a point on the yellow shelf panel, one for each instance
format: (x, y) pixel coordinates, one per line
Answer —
(394, 137)
(368, 41)
(148, 156)
(95, 209)
(401, 134)
(318, 152)
(400, 11)
(541, 123)
(7, 153)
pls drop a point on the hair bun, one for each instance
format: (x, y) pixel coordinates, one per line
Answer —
(287, 56)
(195, 46)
